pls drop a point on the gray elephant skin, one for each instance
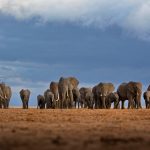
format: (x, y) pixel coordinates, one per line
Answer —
(49, 98)
(112, 98)
(132, 92)
(65, 88)
(86, 97)
(54, 89)
(25, 96)
(5, 95)
(41, 102)
(76, 97)
(146, 97)
(100, 93)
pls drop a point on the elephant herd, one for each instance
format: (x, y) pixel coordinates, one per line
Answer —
(66, 94)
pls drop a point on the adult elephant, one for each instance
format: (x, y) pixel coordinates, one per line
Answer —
(49, 98)
(132, 92)
(41, 102)
(54, 89)
(25, 95)
(112, 98)
(5, 95)
(101, 91)
(65, 88)
(146, 97)
(86, 97)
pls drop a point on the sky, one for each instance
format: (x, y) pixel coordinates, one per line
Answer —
(95, 41)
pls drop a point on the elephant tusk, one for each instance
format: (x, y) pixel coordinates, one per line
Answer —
(5, 97)
(57, 98)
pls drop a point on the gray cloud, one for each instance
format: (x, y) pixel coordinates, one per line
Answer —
(132, 16)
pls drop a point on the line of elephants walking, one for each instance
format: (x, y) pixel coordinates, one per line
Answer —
(66, 94)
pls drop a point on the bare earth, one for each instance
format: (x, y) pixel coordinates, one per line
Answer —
(74, 129)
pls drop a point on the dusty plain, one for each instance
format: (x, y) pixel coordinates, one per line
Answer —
(74, 129)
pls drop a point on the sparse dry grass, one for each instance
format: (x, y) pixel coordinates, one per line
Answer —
(74, 129)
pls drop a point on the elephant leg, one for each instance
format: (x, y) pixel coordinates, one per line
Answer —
(81, 103)
(103, 103)
(27, 105)
(75, 103)
(70, 99)
(96, 105)
(4, 104)
(130, 103)
(78, 103)
(118, 106)
(146, 103)
(8, 103)
(62, 99)
(122, 107)
(149, 105)
(24, 105)
(100, 103)
(138, 104)
(1, 104)
(115, 105)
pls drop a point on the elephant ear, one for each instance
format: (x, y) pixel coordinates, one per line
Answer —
(29, 92)
(131, 87)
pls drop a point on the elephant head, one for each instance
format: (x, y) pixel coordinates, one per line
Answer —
(41, 102)
(146, 97)
(49, 98)
(25, 95)
(112, 98)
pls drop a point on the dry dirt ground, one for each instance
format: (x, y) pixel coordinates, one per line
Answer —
(74, 129)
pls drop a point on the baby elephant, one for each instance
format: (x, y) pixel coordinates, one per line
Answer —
(146, 96)
(112, 98)
(25, 95)
(41, 102)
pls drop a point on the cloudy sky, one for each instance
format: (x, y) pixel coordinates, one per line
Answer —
(96, 41)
